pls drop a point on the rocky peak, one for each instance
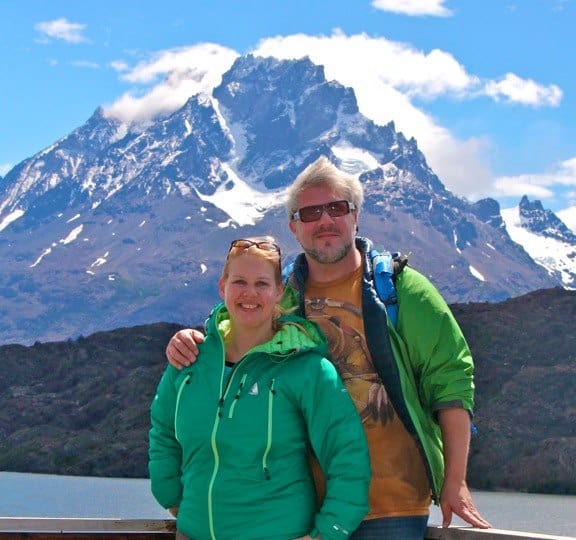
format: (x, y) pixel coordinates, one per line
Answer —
(534, 217)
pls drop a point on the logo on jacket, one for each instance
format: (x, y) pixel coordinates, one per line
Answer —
(253, 390)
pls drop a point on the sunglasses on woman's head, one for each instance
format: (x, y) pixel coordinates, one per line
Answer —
(265, 245)
(333, 209)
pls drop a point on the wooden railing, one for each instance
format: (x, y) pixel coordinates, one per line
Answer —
(467, 533)
(143, 529)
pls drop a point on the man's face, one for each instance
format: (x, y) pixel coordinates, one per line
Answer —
(329, 239)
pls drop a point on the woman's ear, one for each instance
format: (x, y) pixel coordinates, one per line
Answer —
(221, 290)
(279, 293)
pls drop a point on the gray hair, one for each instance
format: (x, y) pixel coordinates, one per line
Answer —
(323, 172)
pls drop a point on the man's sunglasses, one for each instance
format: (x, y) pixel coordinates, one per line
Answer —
(333, 209)
(265, 245)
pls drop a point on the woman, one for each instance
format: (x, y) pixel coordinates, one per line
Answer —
(230, 437)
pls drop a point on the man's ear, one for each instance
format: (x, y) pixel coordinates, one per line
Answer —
(292, 226)
(221, 283)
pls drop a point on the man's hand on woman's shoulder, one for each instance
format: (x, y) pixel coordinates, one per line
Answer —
(182, 348)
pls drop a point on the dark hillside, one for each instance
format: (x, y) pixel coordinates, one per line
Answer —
(81, 407)
(525, 354)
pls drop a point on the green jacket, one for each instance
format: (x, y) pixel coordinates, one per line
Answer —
(424, 363)
(233, 454)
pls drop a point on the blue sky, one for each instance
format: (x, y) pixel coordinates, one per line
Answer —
(488, 88)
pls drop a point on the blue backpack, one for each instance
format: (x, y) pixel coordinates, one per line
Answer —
(386, 267)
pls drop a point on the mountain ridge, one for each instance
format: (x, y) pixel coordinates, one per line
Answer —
(118, 225)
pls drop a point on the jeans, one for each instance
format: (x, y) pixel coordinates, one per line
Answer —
(393, 528)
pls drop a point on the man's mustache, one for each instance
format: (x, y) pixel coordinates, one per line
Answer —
(326, 229)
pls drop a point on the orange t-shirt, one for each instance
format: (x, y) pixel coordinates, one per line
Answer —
(399, 485)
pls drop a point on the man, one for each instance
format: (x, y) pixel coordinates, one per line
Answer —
(412, 385)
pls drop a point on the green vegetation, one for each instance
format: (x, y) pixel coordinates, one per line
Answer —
(81, 407)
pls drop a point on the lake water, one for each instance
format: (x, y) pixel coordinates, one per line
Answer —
(39, 495)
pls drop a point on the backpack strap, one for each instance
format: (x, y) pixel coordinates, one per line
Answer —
(385, 267)
(286, 271)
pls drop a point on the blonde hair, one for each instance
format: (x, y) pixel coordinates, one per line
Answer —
(323, 172)
(271, 256)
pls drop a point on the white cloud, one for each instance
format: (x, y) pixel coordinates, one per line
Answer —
(85, 64)
(538, 185)
(186, 71)
(388, 78)
(568, 216)
(414, 7)
(526, 92)
(517, 186)
(5, 168)
(119, 65)
(62, 29)
(385, 75)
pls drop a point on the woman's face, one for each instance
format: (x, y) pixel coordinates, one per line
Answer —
(250, 291)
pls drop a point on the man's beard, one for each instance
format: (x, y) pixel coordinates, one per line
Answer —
(323, 258)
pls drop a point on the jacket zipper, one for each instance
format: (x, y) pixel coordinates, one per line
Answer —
(237, 396)
(213, 442)
(271, 393)
(178, 395)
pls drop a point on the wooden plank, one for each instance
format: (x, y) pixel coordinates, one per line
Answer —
(164, 529)
(87, 525)
(87, 536)
(468, 533)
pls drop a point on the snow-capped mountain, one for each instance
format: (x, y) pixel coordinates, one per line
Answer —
(118, 225)
(545, 237)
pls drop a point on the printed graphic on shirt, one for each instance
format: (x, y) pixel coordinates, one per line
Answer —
(340, 321)
(399, 484)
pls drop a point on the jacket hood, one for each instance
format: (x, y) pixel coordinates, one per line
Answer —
(296, 334)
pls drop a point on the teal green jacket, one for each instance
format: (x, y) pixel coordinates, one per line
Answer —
(424, 363)
(233, 454)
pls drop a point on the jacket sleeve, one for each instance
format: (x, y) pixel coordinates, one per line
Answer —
(165, 454)
(440, 358)
(338, 440)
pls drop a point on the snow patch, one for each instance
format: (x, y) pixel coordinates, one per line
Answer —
(553, 254)
(47, 251)
(354, 160)
(13, 216)
(244, 205)
(100, 260)
(72, 235)
(475, 273)
(183, 188)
